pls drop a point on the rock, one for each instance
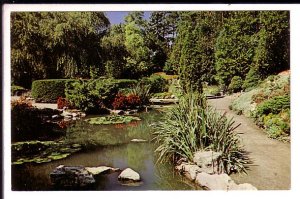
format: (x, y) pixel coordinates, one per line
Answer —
(101, 170)
(56, 116)
(207, 160)
(71, 176)
(129, 175)
(117, 112)
(82, 114)
(131, 112)
(191, 171)
(245, 186)
(138, 140)
(75, 114)
(215, 181)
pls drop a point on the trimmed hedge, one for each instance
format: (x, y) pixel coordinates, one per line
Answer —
(48, 90)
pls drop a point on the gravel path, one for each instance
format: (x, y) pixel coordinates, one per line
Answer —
(271, 168)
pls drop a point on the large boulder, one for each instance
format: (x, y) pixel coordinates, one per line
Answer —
(215, 181)
(101, 170)
(207, 160)
(71, 176)
(129, 175)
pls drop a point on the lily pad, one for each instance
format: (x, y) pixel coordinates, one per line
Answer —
(41, 152)
(116, 119)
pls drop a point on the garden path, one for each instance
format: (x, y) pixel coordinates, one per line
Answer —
(271, 168)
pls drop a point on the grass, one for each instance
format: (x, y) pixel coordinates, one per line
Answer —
(192, 126)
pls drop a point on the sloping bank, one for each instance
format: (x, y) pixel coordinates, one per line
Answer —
(202, 144)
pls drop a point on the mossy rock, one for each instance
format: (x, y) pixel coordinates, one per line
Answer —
(112, 120)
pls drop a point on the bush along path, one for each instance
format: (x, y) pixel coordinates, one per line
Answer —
(271, 168)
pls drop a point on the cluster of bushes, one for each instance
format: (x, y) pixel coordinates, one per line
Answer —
(94, 96)
(269, 105)
(30, 123)
(274, 115)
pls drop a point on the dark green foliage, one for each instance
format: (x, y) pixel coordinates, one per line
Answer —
(55, 45)
(252, 79)
(234, 48)
(28, 123)
(273, 49)
(17, 90)
(274, 105)
(235, 84)
(193, 52)
(94, 96)
(48, 90)
(156, 83)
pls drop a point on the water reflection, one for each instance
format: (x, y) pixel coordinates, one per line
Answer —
(111, 147)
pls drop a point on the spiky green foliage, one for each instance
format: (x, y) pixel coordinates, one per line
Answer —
(191, 126)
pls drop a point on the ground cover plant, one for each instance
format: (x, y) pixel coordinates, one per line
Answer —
(269, 106)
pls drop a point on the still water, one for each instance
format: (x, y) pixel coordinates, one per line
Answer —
(108, 145)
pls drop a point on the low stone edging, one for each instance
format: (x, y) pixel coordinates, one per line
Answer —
(211, 181)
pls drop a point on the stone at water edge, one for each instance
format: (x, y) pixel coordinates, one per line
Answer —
(138, 140)
(129, 175)
(71, 176)
(101, 170)
(191, 171)
(207, 160)
(214, 182)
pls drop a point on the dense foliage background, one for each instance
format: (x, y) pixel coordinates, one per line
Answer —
(215, 47)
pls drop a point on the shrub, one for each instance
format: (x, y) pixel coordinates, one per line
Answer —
(191, 126)
(17, 90)
(156, 83)
(212, 90)
(95, 96)
(274, 105)
(49, 90)
(28, 122)
(276, 126)
(235, 84)
(142, 91)
(126, 102)
(252, 79)
(62, 102)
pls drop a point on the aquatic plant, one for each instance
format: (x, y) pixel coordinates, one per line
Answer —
(191, 126)
(41, 151)
(114, 119)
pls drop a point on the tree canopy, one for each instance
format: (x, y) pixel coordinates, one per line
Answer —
(200, 46)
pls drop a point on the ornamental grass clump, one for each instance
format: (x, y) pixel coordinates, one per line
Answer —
(192, 126)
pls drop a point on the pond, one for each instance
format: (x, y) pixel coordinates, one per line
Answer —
(108, 145)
